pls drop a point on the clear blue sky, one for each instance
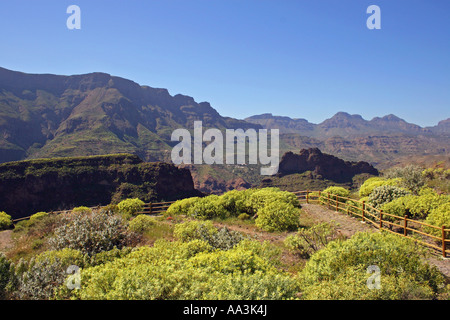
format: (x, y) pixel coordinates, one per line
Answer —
(300, 58)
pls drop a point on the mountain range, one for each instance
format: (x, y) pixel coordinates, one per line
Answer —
(45, 115)
(382, 141)
(347, 125)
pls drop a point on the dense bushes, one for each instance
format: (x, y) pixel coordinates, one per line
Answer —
(4, 274)
(439, 216)
(38, 216)
(188, 270)
(276, 210)
(396, 257)
(223, 238)
(141, 223)
(309, 240)
(336, 191)
(181, 207)
(411, 177)
(278, 216)
(91, 233)
(370, 184)
(130, 206)
(416, 206)
(5, 220)
(208, 208)
(384, 194)
(39, 278)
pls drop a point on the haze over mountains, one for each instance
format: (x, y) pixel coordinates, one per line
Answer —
(44, 115)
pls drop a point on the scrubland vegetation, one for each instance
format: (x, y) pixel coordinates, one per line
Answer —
(250, 244)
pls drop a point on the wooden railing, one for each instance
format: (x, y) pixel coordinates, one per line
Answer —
(406, 227)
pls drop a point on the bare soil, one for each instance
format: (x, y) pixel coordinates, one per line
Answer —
(6, 241)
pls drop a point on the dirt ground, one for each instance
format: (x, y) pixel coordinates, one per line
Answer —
(5, 240)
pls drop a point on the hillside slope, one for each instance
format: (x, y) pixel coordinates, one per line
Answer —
(27, 187)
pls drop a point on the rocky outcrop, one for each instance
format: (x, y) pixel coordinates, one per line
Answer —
(323, 165)
(27, 187)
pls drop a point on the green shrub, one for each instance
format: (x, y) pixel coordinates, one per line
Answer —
(278, 216)
(260, 198)
(439, 217)
(91, 233)
(411, 176)
(222, 239)
(38, 216)
(188, 270)
(384, 194)
(396, 207)
(236, 201)
(370, 184)
(82, 210)
(331, 193)
(393, 254)
(208, 207)
(108, 256)
(5, 220)
(39, 278)
(141, 223)
(4, 274)
(337, 191)
(181, 207)
(416, 206)
(351, 284)
(194, 230)
(244, 216)
(130, 206)
(307, 241)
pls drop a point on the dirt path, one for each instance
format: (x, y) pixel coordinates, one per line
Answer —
(5, 240)
(347, 225)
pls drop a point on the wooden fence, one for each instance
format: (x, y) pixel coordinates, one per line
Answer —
(419, 231)
(409, 228)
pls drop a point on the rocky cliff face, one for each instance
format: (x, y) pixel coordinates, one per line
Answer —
(27, 187)
(323, 165)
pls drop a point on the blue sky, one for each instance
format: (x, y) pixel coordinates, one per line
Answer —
(298, 58)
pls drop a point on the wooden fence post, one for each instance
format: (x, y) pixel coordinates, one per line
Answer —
(363, 209)
(307, 196)
(337, 204)
(405, 225)
(328, 203)
(443, 242)
(150, 208)
(381, 219)
(320, 199)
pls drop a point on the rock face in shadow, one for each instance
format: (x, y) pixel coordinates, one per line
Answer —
(323, 165)
(27, 187)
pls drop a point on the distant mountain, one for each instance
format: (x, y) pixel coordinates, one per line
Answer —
(381, 141)
(346, 125)
(442, 127)
(44, 115)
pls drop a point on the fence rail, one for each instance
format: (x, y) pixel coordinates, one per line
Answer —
(418, 231)
(409, 228)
